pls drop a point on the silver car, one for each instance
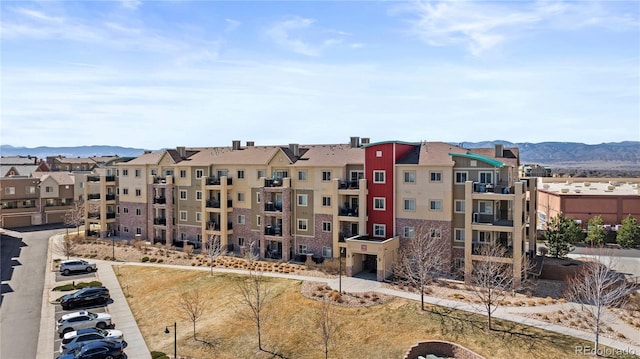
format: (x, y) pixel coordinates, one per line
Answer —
(76, 339)
(76, 265)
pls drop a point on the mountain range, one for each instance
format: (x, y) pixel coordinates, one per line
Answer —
(605, 155)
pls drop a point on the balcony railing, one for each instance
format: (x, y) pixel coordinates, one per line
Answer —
(111, 215)
(159, 180)
(215, 226)
(344, 235)
(348, 211)
(273, 230)
(273, 182)
(273, 207)
(215, 181)
(213, 203)
(93, 215)
(479, 249)
(93, 178)
(344, 184)
(110, 178)
(160, 221)
(110, 197)
(479, 218)
(159, 200)
(93, 196)
(501, 188)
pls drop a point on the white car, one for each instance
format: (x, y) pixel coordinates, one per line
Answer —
(80, 320)
(78, 338)
(76, 265)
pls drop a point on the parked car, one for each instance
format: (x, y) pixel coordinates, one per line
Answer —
(73, 340)
(102, 349)
(80, 320)
(76, 265)
(85, 297)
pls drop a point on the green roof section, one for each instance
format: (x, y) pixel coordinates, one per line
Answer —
(474, 156)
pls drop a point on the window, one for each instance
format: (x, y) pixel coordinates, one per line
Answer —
(138, 212)
(241, 219)
(125, 172)
(125, 210)
(485, 207)
(183, 194)
(302, 175)
(302, 200)
(302, 249)
(435, 176)
(241, 241)
(410, 204)
(222, 173)
(378, 153)
(198, 216)
(138, 230)
(259, 220)
(125, 191)
(10, 190)
(326, 175)
(459, 206)
(137, 172)
(31, 189)
(326, 226)
(461, 177)
(240, 196)
(154, 172)
(459, 235)
(257, 197)
(48, 189)
(240, 174)
(379, 203)
(168, 172)
(126, 229)
(409, 176)
(280, 174)
(485, 177)
(260, 173)
(436, 233)
(326, 201)
(138, 192)
(378, 176)
(379, 230)
(409, 232)
(183, 236)
(303, 224)
(199, 173)
(484, 237)
(326, 252)
(183, 173)
(435, 205)
(183, 215)
(458, 264)
(198, 195)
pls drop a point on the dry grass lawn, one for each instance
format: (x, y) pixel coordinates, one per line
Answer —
(380, 331)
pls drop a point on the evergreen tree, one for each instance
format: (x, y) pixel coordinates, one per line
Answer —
(561, 234)
(596, 234)
(629, 233)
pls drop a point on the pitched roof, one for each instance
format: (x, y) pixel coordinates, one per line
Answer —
(150, 158)
(252, 155)
(18, 160)
(20, 170)
(431, 154)
(509, 155)
(61, 178)
(330, 155)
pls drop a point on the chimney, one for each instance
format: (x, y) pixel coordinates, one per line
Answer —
(235, 145)
(146, 152)
(250, 143)
(295, 148)
(499, 150)
(365, 140)
(355, 141)
(182, 152)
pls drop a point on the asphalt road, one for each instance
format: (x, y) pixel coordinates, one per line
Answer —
(24, 257)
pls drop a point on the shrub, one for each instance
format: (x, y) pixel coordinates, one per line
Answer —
(160, 260)
(158, 355)
(144, 259)
(543, 251)
(153, 260)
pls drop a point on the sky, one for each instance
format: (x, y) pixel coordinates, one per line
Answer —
(160, 74)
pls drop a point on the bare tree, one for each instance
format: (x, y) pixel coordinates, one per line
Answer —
(66, 247)
(597, 286)
(75, 215)
(424, 257)
(325, 320)
(255, 296)
(491, 279)
(214, 250)
(192, 305)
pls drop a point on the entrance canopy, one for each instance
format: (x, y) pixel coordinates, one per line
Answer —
(361, 250)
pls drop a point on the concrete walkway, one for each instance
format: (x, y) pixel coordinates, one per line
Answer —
(137, 348)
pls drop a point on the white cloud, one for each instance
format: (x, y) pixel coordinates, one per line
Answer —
(284, 34)
(231, 25)
(481, 26)
(131, 4)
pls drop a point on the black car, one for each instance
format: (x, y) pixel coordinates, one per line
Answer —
(85, 297)
(102, 349)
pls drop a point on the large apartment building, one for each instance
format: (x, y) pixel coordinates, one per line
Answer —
(360, 200)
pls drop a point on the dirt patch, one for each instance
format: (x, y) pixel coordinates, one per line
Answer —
(320, 291)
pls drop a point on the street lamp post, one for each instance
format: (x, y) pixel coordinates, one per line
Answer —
(340, 271)
(175, 338)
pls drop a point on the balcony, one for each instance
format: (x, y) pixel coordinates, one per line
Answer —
(348, 211)
(489, 219)
(273, 230)
(160, 221)
(160, 200)
(110, 197)
(111, 215)
(93, 196)
(214, 181)
(344, 184)
(214, 203)
(499, 188)
(93, 215)
(479, 249)
(273, 182)
(273, 207)
(93, 178)
(342, 236)
(215, 226)
(110, 178)
(160, 180)
(57, 204)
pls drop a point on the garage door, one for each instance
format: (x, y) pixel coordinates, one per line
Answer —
(17, 221)
(55, 217)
